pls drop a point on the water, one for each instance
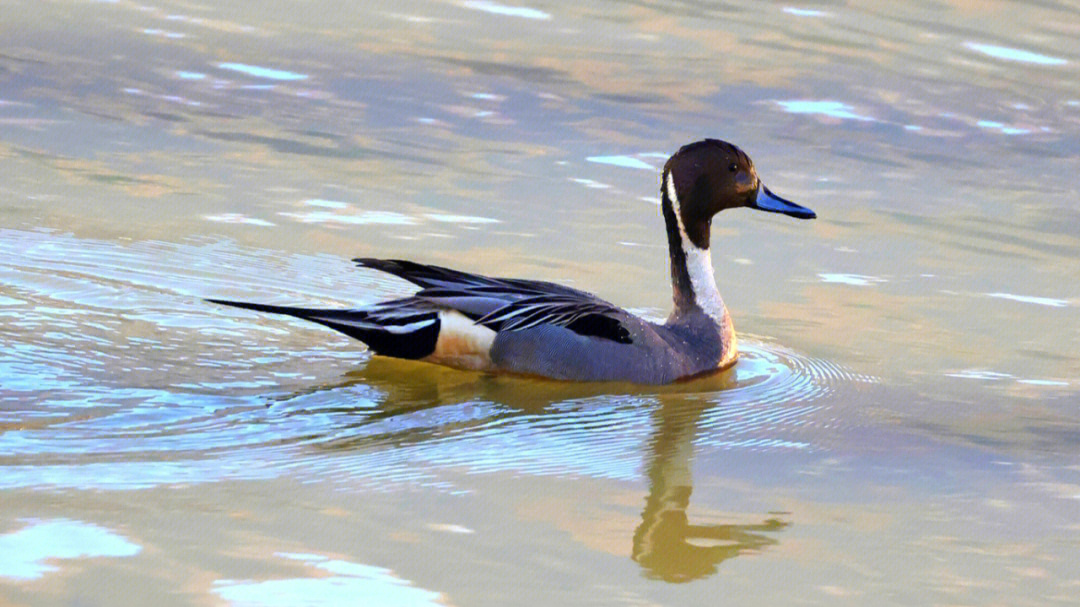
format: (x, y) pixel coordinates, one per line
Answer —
(903, 427)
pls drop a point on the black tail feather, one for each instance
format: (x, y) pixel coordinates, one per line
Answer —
(305, 313)
(291, 311)
(359, 324)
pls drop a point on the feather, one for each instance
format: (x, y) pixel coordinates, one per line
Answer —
(504, 304)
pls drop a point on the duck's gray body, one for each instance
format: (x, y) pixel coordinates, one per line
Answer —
(532, 327)
(658, 354)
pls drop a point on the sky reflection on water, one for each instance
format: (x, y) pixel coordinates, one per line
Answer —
(902, 429)
(348, 584)
(33, 551)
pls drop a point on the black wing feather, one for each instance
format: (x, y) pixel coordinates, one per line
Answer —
(593, 318)
(508, 304)
(434, 277)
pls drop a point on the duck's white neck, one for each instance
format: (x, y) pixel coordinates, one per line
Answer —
(698, 266)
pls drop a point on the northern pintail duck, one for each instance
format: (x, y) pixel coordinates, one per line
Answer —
(540, 328)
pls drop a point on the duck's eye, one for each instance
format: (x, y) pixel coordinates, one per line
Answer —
(734, 168)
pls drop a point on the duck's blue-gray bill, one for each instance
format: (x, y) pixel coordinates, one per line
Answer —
(767, 201)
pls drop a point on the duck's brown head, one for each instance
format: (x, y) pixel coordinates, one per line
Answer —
(708, 176)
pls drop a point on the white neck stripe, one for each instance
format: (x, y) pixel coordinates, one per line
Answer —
(698, 264)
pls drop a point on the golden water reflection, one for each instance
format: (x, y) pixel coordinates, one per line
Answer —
(666, 544)
(155, 153)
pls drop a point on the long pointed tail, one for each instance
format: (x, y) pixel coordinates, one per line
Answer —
(304, 313)
(401, 336)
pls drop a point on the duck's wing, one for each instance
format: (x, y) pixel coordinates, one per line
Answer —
(510, 304)
(591, 317)
(433, 277)
(455, 316)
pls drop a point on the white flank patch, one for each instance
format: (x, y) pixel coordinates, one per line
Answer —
(462, 343)
(703, 279)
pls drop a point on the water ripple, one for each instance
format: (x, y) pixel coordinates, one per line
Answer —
(373, 426)
(114, 375)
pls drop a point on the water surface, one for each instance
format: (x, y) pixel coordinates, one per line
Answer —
(902, 428)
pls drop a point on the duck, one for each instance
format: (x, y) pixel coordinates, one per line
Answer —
(532, 327)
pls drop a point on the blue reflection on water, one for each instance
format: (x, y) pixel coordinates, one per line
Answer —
(1003, 128)
(1014, 54)
(510, 11)
(349, 584)
(360, 432)
(164, 33)
(329, 204)
(833, 109)
(856, 280)
(262, 72)
(355, 218)
(622, 161)
(23, 553)
(1031, 299)
(804, 12)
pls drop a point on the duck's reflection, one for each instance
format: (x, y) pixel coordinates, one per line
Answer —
(665, 543)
